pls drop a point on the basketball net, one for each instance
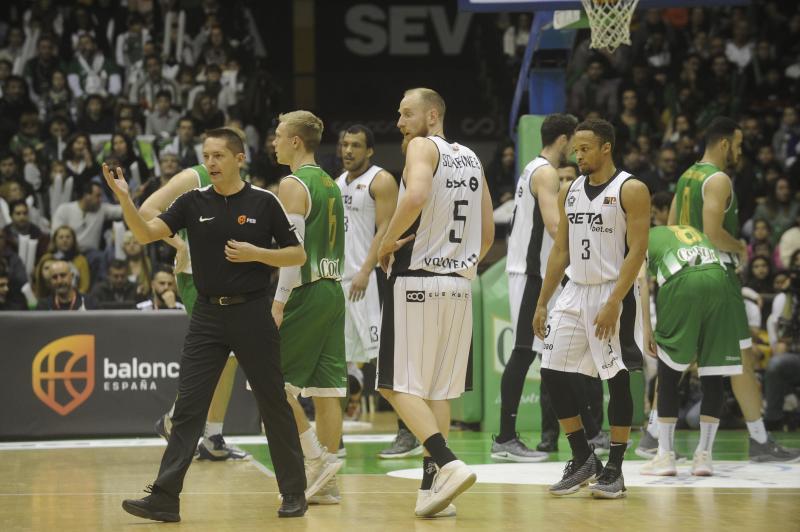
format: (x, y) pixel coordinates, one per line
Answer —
(610, 21)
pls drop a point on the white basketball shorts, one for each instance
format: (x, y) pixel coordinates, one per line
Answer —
(426, 337)
(523, 293)
(571, 345)
(362, 322)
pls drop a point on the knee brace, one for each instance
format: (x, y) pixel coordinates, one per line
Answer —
(620, 404)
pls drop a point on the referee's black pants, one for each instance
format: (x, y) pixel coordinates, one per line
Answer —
(248, 330)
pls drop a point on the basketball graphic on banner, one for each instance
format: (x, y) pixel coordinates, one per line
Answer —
(56, 381)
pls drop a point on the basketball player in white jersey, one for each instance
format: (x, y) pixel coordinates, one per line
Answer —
(441, 229)
(369, 194)
(595, 327)
(533, 228)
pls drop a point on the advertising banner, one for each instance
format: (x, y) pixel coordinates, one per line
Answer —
(70, 374)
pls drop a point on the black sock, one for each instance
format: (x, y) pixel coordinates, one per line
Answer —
(401, 424)
(579, 445)
(428, 472)
(617, 453)
(438, 449)
(511, 386)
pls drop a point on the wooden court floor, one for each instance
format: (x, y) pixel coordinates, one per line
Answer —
(81, 490)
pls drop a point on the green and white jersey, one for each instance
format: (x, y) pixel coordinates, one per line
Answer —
(324, 235)
(689, 199)
(203, 180)
(672, 248)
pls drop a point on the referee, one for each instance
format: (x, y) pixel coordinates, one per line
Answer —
(230, 226)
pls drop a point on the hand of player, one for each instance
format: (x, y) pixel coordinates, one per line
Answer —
(540, 322)
(277, 313)
(606, 320)
(117, 184)
(650, 347)
(387, 249)
(358, 286)
(241, 251)
(742, 255)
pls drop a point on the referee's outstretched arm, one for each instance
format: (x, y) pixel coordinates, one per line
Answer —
(145, 232)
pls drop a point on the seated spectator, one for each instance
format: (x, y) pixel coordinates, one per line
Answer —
(17, 276)
(96, 119)
(759, 274)
(205, 113)
(54, 146)
(630, 122)
(762, 235)
(265, 163)
(135, 169)
(41, 277)
(169, 166)
(63, 246)
(58, 100)
(138, 262)
(32, 171)
(91, 72)
(216, 50)
(224, 95)
(781, 209)
(184, 143)
(503, 172)
(86, 217)
(21, 226)
(5, 288)
(14, 102)
(593, 92)
(567, 173)
(116, 291)
(130, 44)
(163, 120)
(79, 160)
(40, 68)
(145, 90)
(15, 44)
(65, 296)
(163, 294)
(786, 138)
(665, 176)
(28, 134)
(659, 208)
(783, 370)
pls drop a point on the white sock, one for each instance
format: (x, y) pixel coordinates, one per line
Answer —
(310, 444)
(757, 430)
(708, 431)
(666, 435)
(212, 429)
(652, 424)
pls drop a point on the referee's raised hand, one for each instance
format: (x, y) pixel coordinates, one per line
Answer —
(117, 184)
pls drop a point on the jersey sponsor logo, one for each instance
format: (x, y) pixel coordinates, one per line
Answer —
(461, 183)
(361, 186)
(329, 269)
(415, 296)
(245, 220)
(203, 219)
(450, 263)
(609, 200)
(347, 199)
(571, 200)
(595, 220)
(697, 255)
(519, 192)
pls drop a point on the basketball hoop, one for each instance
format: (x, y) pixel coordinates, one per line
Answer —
(610, 21)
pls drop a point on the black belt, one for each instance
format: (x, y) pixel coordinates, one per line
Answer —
(224, 301)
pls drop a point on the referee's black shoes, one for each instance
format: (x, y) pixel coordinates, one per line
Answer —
(158, 506)
(293, 505)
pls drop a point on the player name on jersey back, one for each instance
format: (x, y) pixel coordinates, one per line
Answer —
(597, 229)
(448, 230)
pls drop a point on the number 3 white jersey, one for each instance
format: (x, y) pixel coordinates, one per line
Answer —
(597, 230)
(529, 243)
(359, 219)
(448, 230)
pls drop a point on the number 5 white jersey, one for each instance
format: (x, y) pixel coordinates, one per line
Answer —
(597, 230)
(448, 230)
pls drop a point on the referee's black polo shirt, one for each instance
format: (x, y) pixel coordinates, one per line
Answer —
(251, 215)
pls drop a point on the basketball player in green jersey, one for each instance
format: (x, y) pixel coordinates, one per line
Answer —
(213, 446)
(693, 326)
(705, 199)
(309, 306)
